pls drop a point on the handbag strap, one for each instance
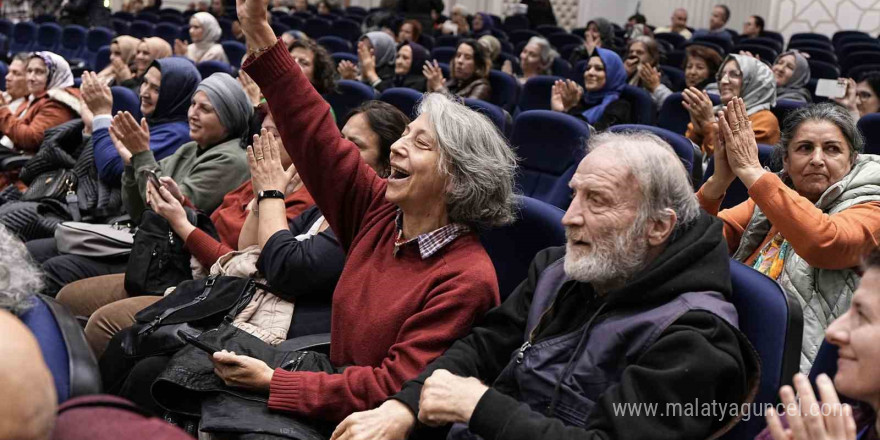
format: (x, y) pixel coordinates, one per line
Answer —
(209, 284)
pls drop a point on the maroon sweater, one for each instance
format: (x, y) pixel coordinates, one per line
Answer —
(391, 315)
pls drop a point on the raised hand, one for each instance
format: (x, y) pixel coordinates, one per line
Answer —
(591, 42)
(367, 60)
(434, 75)
(135, 137)
(121, 150)
(507, 67)
(251, 89)
(180, 47)
(650, 77)
(849, 99)
(121, 70)
(699, 106)
(96, 95)
(808, 419)
(264, 159)
(347, 70)
(254, 20)
(565, 95)
(741, 148)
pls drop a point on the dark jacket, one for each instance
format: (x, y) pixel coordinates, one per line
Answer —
(617, 113)
(698, 357)
(87, 13)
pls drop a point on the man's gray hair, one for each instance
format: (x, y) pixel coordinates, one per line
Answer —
(663, 179)
(480, 163)
(20, 278)
(829, 112)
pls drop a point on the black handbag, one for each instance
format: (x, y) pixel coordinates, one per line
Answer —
(51, 185)
(158, 258)
(194, 306)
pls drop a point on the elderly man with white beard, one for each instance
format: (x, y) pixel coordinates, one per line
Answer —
(632, 312)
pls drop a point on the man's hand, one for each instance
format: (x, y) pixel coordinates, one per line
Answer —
(96, 95)
(242, 371)
(447, 398)
(391, 421)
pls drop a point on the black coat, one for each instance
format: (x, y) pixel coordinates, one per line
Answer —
(87, 13)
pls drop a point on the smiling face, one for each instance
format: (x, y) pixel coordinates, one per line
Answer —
(416, 182)
(817, 157)
(594, 76)
(196, 31)
(149, 92)
(465, 65)
(856, 333)
(530, 58)
(730, 84)
(783, 69)
(696, 71)
(37, 76)
(866, 99)
(204, 124)
(604, 242)
(142, 58)
(403, 62)
(16, 79)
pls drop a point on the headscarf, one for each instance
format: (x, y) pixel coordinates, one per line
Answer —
(179, 81)
(232, 105)
(127, 49)
(488, 21)
(210, 35)
(795, 89)
(384, 47)
(59, 74)
(615, 80)
(158, 47)
(758, 83)
(606, 31)
(414, 78)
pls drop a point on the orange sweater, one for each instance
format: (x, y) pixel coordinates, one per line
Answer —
(43, 113)
(764, 124)
(824, 241)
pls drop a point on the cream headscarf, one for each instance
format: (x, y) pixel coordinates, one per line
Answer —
(127, 48)
(211, 33)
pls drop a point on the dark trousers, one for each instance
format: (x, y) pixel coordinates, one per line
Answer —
(60, 269)
(131, 377)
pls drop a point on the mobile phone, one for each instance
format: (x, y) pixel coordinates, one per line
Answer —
(831, 88)
(153, 178)
(190, 339)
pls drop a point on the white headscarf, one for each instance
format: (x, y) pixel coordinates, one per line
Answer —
(211, 33)
(59, 75)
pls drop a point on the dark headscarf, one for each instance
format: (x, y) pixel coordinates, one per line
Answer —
(615, 80)
(414, 79)
(179, 81)
(488, 22)
(606, 31)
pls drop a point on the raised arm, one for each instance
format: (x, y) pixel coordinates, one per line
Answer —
(343, 186)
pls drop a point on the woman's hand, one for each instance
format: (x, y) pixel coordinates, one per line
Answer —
(294, 181)
(565, 95)
(434, 75)
(391, 421)
(165, 204)
(251, 89)
(699, 106)
(180, 47)
(507, 67)
(96, 95)
(121, 70)
(631, 65)
(242, 371)
(849, 99)
(591, 43)
(650, 77)
(809, 419)
(367, 61)
(740, 145)
(347, 70)
(135, 138)
(172, 188)
(264, 160)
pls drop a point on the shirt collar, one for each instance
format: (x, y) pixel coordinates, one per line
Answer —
(430, 242)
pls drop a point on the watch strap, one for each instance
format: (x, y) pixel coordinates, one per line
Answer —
(269, 194)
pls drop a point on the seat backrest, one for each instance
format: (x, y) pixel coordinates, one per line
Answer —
(447, 41)
(549, 29)
(335, 44)
(4, 69)
(6, 27)
(235, 51)
(773, 322)
(48, 36)
(564, 39)
(549, 145)
(809, 36)
(403, 98)
(316, 27)
(339, 56)
(521, 35)
(856, 72)
(102, 58)
(820, 54)
(765, 52)
(676, 39)
(505, 90)
(121, 27)
(844, 51)
(763, 41)
(784, 107)
(681, 145)
(348, 95)
(73, 38)
(147, 16)
(737, 192)
(443, 54)
(24, 35)
(822, 69)
(492, 111)
(515, 22)
(169, 32)
(858, 58)
(725, 44)
(64, 348)
(869, 125)
(141, 29)
(535, 94)
(426, 41)
(512, 248)
(98, 37)
(642, 103)
(843, 34)
(124, 99)
(349, 30)
(208, 68)
(561, 67)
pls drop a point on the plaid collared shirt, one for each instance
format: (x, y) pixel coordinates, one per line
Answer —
(429, 242)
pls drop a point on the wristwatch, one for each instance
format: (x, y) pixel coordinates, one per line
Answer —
(269, 194)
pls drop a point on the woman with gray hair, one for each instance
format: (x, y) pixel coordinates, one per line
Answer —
(807, 226)
(535, 59)
(416, 276)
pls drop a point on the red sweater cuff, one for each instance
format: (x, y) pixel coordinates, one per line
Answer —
(272, 64)
(286, 391)
(205, 248)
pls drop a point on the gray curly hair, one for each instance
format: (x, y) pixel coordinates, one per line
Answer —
(480, 163)
(20, 278)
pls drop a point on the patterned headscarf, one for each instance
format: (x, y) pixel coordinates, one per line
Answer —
(59, 74)
(758, 83)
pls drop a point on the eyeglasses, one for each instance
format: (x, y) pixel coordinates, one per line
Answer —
(732, 74)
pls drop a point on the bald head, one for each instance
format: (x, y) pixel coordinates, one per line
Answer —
(679, 19)
(27, 409)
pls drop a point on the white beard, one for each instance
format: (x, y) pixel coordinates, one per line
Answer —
(611, 259)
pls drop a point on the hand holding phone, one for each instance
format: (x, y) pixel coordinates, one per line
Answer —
(153, 178)
(190, 339)
(831, 88)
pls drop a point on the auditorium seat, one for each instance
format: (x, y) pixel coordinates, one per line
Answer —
(522, 36)
(869, 125)
(674, 117)
(516, 22)
(549, 145)
(512, 248)
(535, 94)
(234, 51)
(642, 104)
(73, 42)
(443, 54)
(403, 98)
(676, 77)
(682, 146)
(676, 39)
(765, 53)
(784, 107)
(141, 29)
(505, 90)
(48, 37)
(493, 112)
(125, 100)
(822, 69)
(96, 39)
(335, 44)
(548, 29)
(208, 68)
(564, 39)
(348, 30)
(446, 41)
(348, 95)
(24, 35)
(102, 58)
(317, 27)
